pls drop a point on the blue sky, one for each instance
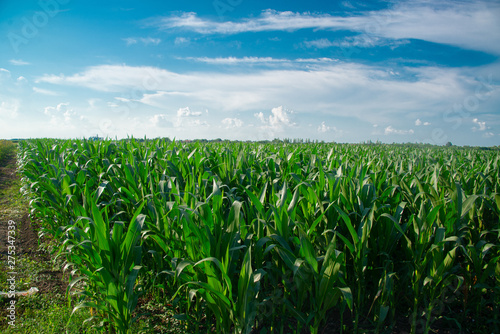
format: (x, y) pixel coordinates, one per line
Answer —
(344, 71)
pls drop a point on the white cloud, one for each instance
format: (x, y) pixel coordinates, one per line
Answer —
(65, 120)
(123, 99)
(278, 120)
(161, 120)
(150, 40)
(269, 20)
(60, 109)
(481, 125)
(418, 122)
(320, 43)
(232, 122)
(19, 62)
(130, 41)
(325, 88)
(9, 109)
(467, 24)
(182, 41)
(187, 118)
(44, 91)
(185, 112)
(143, 40)
(160, 99)
(259, 60)
(324, 128)
(4, 74)
(358, 41)
(390, 130)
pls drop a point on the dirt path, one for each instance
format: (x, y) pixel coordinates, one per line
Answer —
(7, 210)
(26, 241)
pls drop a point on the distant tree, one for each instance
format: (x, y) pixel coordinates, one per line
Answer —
(449, 144)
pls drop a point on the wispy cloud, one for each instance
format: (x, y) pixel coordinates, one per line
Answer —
(182, 41)
(19, 62)
(259, 60)
(390, 130)
(359, 41)
(369, 93)
(269, 20)
(468, 24)
(44, 91)
(4, 74)
(143, 40)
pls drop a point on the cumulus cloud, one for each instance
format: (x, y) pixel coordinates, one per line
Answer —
(232, 123)
(330, 130)
(65, 119)
(481, 126)
(278, 120)
(61, 111)
(324, 128)
(161, 120)
(390, 130)
(186, 112)
(187, 118)
(418, 122)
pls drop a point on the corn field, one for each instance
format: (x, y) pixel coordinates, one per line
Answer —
(260, 238)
